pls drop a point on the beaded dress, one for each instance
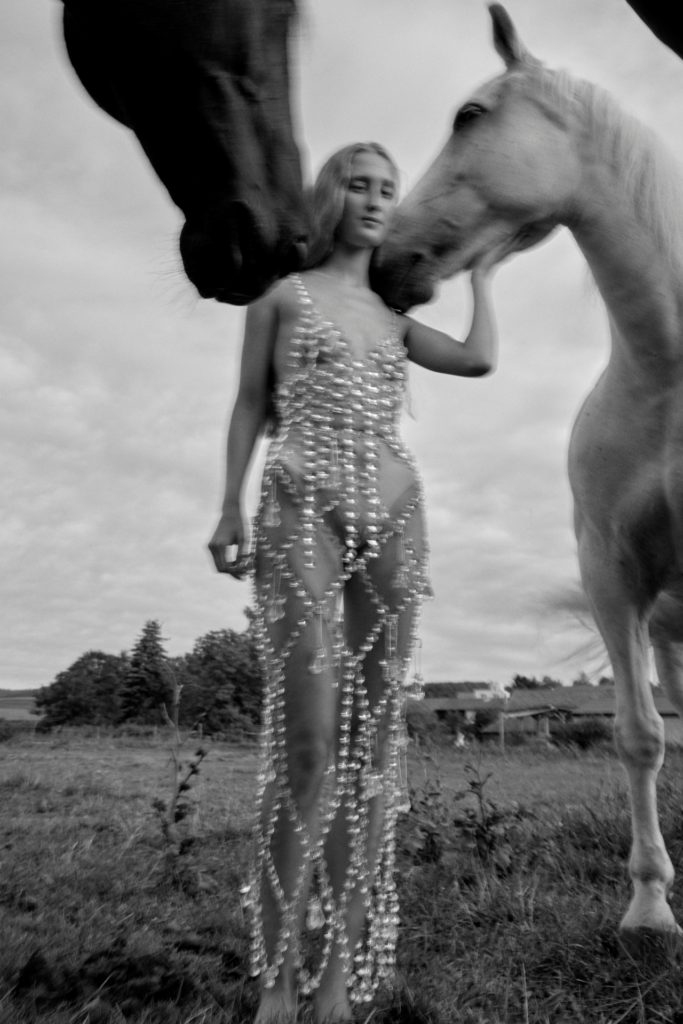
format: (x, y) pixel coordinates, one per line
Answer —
(321, 527)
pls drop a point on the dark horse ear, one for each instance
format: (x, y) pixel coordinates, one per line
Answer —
(505, 38)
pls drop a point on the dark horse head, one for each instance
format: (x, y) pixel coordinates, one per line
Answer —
(204, 84)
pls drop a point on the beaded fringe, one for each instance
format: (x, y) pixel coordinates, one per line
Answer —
(318, 394)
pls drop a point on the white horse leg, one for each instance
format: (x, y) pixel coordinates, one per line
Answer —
(639, 737)
(666, 636)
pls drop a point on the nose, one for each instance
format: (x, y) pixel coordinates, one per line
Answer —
(373, 199)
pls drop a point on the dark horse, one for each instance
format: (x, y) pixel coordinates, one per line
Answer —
(204, 84)
(663, 17)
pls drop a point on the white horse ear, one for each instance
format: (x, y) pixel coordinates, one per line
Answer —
(505, 39)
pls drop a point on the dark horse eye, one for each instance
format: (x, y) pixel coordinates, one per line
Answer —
(467, 114)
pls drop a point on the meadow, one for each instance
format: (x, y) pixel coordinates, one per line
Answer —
(511, 868)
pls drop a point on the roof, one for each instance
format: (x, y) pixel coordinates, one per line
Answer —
(452, 690)
(464, 703)
(523, 701)
(604, 703)
(578, 700)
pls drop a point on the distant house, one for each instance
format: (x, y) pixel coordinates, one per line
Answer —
(600, 701)
(533, 711)
(455, 691)
(522, 710)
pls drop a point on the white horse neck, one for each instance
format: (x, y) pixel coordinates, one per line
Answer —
(627, 218)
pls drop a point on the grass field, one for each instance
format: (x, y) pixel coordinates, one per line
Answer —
(509, 920)
(17, 705)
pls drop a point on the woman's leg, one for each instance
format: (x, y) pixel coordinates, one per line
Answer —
(296, 606)
(381, 604)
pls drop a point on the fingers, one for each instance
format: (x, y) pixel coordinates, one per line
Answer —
(225, 539)
(218, 552)
(239, 566)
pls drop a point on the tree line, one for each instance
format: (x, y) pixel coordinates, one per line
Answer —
(220, 684)
(520, 682)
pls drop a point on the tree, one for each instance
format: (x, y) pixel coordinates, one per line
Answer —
(222, 681)
(147, 688)
(86, 693)
(532, 683)
(548, 683)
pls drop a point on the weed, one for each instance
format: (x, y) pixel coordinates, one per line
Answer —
(178, 817)
(487, 827)
(437, 828)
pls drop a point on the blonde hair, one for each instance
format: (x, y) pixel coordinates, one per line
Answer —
(327, 196)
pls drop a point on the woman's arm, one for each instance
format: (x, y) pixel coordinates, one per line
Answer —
(474, 357)
(246, 423)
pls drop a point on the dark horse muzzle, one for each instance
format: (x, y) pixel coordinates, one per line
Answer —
(230, 254)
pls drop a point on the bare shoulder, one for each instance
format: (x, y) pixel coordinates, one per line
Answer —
(273, 310)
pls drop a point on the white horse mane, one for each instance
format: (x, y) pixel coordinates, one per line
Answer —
(650, 175)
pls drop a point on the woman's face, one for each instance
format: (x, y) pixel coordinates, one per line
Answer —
(370, 202)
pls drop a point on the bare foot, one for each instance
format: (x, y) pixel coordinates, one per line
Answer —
(332, 1007)
(274, 1008)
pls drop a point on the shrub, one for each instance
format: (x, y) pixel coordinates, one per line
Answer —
(422, 724)
(85, 693)
(519, 738)
(9, 729)
(221, 682)
(482, 719)
(584, 732)
(6, 731)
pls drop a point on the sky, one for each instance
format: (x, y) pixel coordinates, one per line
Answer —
(116, 380)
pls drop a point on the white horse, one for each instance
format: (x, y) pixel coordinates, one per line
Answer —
(530, 150)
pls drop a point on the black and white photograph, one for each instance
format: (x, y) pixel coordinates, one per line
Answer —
(341, 519)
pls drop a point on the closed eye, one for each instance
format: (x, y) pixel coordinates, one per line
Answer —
(470, 112)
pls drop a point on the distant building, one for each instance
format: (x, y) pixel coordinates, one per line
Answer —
(600, 701)
(468, 690)
(533, 711)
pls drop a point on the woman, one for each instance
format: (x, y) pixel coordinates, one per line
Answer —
(340, 569)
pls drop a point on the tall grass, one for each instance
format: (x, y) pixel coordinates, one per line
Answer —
(517, 923)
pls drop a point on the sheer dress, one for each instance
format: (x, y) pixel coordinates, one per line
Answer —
(341, 567)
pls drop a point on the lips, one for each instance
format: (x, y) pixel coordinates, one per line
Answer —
(372, 222)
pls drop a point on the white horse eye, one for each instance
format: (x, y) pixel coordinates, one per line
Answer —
(467, 114)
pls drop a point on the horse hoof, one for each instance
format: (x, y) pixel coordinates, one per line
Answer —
(649, 944)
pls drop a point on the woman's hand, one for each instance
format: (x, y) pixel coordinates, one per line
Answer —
(230, 533)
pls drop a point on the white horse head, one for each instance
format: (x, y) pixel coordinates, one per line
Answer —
(521, 160)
